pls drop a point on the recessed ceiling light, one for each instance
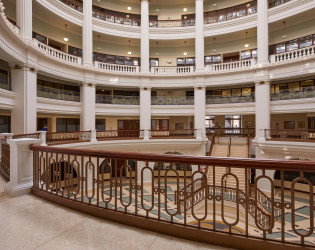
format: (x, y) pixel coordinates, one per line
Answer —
(214, 50)
(185, 9)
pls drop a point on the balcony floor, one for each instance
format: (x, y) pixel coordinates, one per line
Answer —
(28, 222)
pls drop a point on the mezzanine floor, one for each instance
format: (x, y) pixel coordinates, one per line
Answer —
(28, 222)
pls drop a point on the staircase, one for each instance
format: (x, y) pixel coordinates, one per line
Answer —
(229, 148)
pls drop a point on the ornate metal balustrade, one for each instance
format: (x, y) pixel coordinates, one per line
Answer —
(290, 134)
(290, 94)
(308, 52)
(172, 100)
(188, 133)
(59, 94)
(119, 134)
(124, 188)
(77, 5)
(5, 159)
(117, 99)
(67, 137)
(172, 23)
(229, 99)
(231, 131)
(230, 13)
(275, 3)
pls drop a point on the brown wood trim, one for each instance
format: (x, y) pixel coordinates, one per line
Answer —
(290, 165)
(176, 230)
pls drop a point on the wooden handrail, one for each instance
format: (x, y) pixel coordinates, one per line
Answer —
(290, 165)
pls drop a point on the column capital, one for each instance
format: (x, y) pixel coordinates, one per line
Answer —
(87, 84)
(258, 83)
(145, 88)
(15, 66)
(199, 87)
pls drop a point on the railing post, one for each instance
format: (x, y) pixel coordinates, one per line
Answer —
(146, 134)
(21, 166)
(137, 69)
(93, 136)
(42, 136)
(273, 58)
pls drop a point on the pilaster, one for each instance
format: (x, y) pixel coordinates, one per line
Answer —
(87, 33)
(145, 47)
(24, 18)
(24, 84)
(262, 105)
(199, 37)
(262, 32)
(87, 98)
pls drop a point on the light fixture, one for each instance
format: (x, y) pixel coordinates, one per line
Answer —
(214, 4)
(66, 39)
(214, 49)
(185, 8)
(98, 42)
(157, 48)
(246, 44)
(284, 35)
(129, 51)
(157, 6)
(185, 53)
(129, 7)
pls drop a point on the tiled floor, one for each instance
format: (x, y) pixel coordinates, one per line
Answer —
(27, 222)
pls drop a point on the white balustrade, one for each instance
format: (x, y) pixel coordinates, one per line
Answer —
(172, 70)
(291, 55)
(116, 67)
(57, 53)
(231, 66)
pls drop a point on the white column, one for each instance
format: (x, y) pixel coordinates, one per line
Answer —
(145, 111)
(87, 33)
(24, 114)
(87, 96)
(21, 166)
(199, 37)
(24, 17)
(200, 111)
(145, 48)
(262, 32)
(262, 97)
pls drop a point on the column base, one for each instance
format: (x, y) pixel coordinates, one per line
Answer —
(18, 189)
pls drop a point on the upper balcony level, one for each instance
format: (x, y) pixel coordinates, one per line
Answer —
(176, 26)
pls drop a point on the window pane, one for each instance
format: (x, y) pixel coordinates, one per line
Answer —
(71, 125)
(180, 61)
(292, 45)
(216, 59)
(245, 54)
(61, 125)
(100, 124)
(111, 59)
(305, 41)
(280, 48)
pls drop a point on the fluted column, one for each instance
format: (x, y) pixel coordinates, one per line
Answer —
(87, 33)
(145, 111)
(24, 85)
(87, 118)
(262, 99)
(200, 110)
(262, 32)
(145, 48)
(199, 37)
(24, 17)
